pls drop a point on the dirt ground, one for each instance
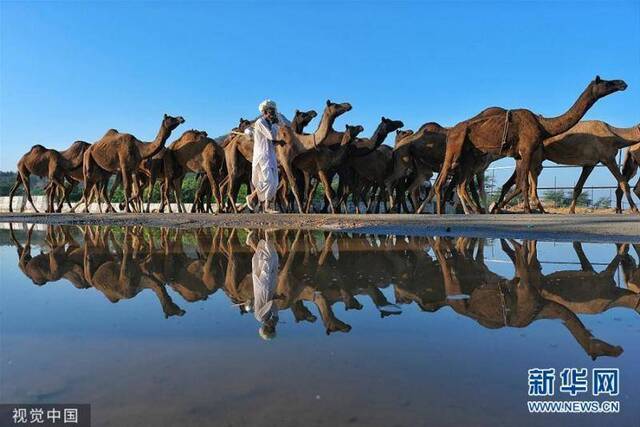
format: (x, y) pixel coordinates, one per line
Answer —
(610, 227)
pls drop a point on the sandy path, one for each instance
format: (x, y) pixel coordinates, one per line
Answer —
(547, 227)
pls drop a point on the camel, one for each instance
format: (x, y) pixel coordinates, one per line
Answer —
(122, 152)
(586, 144)
(318, 163)
(48, 163)
(517, 133)
(297, 143)
(368, 163)
(629, 169)
(418, 155)
(195, 152)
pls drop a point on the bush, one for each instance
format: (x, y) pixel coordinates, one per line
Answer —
(561, 200)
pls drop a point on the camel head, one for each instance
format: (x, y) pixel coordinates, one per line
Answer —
(401, 134)
(242, 125)
(390, 125)
(601, 88)
(303, 118)
(334, 110)
(285, 133)
(350, 134)
(170, 122)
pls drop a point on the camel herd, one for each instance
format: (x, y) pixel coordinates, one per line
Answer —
(318, 270)
(365, 172)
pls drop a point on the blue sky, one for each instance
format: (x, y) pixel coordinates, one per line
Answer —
(73, 70)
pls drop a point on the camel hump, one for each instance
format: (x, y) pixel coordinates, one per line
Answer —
(111, 132)
(37, 147)
(431, 127)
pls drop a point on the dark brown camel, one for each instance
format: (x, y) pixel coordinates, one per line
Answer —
(122, 152)
(362, 167)
(516, 133)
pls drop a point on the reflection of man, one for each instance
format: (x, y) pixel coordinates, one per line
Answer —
(264, 272)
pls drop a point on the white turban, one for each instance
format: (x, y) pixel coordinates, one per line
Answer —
(267, 103)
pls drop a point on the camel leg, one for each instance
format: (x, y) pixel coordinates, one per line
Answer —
(312, 193)
(15, 187)
(629, 169)
(476, 188)
(501, 202)
(622, 183)
(177, 190)
(327, 189)
(454, 149)
(533, 182)
(152, 184)
(523, 175)
(577, 190)
(56, 184)
(126, 184)
(215, 189)
(292, 184)
(585, 264)
(27, 189)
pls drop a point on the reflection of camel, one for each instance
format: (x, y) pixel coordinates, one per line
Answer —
(630, 269)
(495, 302)
(45, 267)
(322, 270)
(587, 291)
(118, 274)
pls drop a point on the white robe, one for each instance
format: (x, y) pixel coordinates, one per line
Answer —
(264, 167)
(264, 273)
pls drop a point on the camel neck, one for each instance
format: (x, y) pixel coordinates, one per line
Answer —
(559, 124)
(379, 135)
(324, 127)
(152, 148)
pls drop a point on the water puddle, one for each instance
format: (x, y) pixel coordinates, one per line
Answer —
(230, 327)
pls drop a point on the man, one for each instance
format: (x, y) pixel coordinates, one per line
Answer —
(264, 167)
